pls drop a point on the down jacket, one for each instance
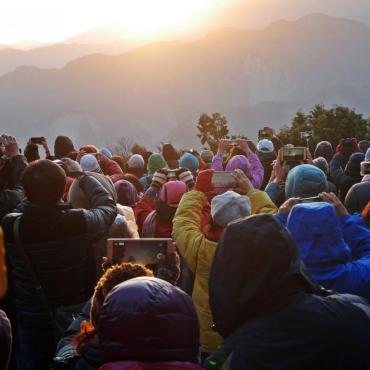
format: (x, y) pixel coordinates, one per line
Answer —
(198, 252)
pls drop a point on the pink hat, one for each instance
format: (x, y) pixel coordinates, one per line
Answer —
(239, 162)
(172, 192)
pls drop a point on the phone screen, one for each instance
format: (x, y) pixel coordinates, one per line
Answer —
(224, 180)
(310, 200)
(295, 154)
(365, 168)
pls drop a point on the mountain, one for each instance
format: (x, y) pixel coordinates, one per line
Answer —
(28, 45)
(157, 92)
(99, 35)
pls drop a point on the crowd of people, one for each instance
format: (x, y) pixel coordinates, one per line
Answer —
(269, 265)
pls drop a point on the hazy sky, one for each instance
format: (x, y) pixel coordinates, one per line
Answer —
(53, 20)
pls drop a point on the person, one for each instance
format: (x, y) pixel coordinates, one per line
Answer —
(135, 166)
(322, 163)
(273, 138)
(126, 193)
(324, 149)
(364, 145)
(207, 157)
(334, 245)
(190, 162)
(248, 162)
(31, 152)
(156, 162)
(50, 255)
(63, 145)
(170, 155)
(106, 153)
(269, 311)
(197, 244)
(5, 340)
(266, 154)
(12, 165)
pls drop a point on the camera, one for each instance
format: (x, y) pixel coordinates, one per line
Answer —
(263, 134)
(306, 135)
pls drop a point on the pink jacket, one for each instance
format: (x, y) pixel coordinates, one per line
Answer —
(252, 167)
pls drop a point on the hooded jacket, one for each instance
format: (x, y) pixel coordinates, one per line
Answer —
(358, 197)
(265, 306)
(324, 149)
(336, 251)
(266, 159)
(198, 252)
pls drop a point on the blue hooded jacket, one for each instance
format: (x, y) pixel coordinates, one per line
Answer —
(336, 251)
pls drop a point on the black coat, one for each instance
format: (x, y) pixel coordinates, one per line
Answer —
(270, 312)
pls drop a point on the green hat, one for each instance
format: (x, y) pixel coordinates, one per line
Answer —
(155, 162)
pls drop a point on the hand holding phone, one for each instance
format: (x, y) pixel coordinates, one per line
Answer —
(224, 179)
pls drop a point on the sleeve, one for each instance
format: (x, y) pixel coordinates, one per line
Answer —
(217, 163)
(142, 209)
(351, 201)
(282, 218)
(261, 203)
(274, 191)
(186, 227)
(114, 171)
(336, 171)
(257, 170)
(103, 209)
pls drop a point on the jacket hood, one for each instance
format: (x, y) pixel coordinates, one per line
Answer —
(63, 146)
(256, 270)
(305, 181)
(317, 231)
(239, 162)
(142, 320)
(155, 162)
(324, 149)
(353, 167)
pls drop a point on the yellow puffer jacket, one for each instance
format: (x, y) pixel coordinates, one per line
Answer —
(198, 253)
(3, 279)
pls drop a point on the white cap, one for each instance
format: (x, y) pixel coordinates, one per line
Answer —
(265, 145)
(136, 161)
(89, 163)
(228, 207)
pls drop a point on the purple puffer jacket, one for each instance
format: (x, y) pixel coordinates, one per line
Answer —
(250, 165)
(142, 319)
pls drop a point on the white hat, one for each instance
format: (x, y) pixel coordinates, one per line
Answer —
(89, 163)
(228, 207)
(265, 145)
(136, 161)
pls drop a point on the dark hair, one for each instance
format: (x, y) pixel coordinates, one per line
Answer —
(31, 152)
(112, 277)
(44, 182)
(169, 152)
(235, 150)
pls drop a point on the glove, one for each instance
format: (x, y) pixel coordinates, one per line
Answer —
(186, 176)
(159, 178)
(204, 181)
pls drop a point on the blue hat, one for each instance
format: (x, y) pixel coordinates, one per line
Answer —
(106, 152)
(190, 162)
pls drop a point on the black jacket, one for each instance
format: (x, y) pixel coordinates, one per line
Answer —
(358, 197)
(270, 312)
(266, 158)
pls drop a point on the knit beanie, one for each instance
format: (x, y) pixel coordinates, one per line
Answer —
(239, 162)
(172, 192)
(228, 207)
(155, 162)
(190, 162)
(63, 145)
(136, 161)
(206, 156)
(106, 152)
(265, 146)
(126, 193)
(89, 163)
(322, 163)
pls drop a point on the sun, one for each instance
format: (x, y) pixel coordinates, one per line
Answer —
(153, 17)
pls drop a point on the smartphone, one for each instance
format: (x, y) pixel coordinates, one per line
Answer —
(310, 200)
(37, 140)
(224, 179)
(263, 134)
(141, 251)
(295, 154)
(365, 168)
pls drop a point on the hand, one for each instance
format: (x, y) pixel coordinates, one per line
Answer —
(222, 145)
(169, 268)
(72, 168)
(244, 184)
(243, 145)
(286, 207)
(11, 148)
(333, 199)
(45, 145)
(280, 171)
(159, 178)
(186, 176)
(308, 156)
(204, 182)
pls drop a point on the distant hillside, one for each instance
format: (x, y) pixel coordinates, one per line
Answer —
(158, 91)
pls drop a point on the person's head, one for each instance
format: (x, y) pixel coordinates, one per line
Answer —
(136, 165)
(206, 156)
(190, 162)
(169, 199)
(305, 181)
(324, 149)
(112, 277)
(134, 181)
(31, 152)
(346, 147)
(126, 193)
(353, 167)
(63, 145)
(322, 163)
(169, 152)
(229, 207)
(240, 162)
(265, 146)
(89, 163)
(150, 320)
(156, 161)
(106, 152)
(364, 145)
(256, 270)
(44, 182)
(235, 150)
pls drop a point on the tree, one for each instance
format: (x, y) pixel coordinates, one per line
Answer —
(122, 147)
(138, 149)
(211, 129)
(326, 124)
